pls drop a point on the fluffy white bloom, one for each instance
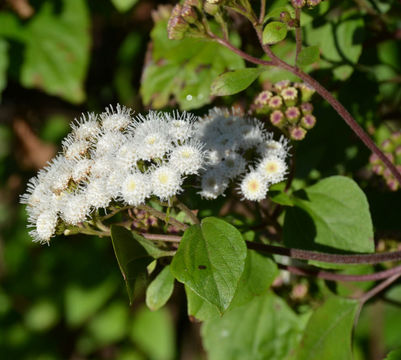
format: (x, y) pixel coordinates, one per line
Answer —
(273, 169)
(181, 126)
(127, 154)
(272, 147)
(75, 208)
(81, 169)
(109, 142)
(233, 165)
(45, 227)
(213, 184)
(102, 166)
(253, 186)
(97, 194)
(136, 188)
(115, 120)
(187, 158)
(75, 148)
(57, 174)
(166, 182)
(86, 127)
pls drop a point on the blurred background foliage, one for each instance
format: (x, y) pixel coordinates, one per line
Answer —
(59, 58)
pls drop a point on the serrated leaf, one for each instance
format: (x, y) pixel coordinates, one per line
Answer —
(259, 273)
(132, 259)
(265, 328)
(328, 333)
(160, 289)
(234, 81)
(331, 215)
(210, 260)
(124, 5)
(182, 71)
(308, 55)
(274, 32)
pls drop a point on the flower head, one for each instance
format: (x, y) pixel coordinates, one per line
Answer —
(253, 186)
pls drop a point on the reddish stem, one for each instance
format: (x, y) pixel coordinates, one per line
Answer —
(392, 274)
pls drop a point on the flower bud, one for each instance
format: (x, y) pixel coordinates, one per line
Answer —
(312, 3)
(263, 98)
(387, 145)
(396, 138)
(308, 121)
(277, 118)
(285, 17)
(306, 91)
(176, 28)
(297, 133)
(374, 159)
(211, 8)
(278, 86)
(289, 95)
(298, 3)
(306, 108)
(275, 102)
(292, 114)
(189, 14)
(176, 10)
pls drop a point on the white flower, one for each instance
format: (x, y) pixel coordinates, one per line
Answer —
(253, 186)
(115, 120)
(187, 158)
(75, 208)
(166, 182)
(272, 147)
(74, 148)
(273, 169)
(136, 188)
(181, 126)
(213, 184)
(86, 127)
(81, 169)
(45, 227)
(109, 142)
(127, 154)
(233, 165)
(57, 174)
(97, 194)
(102, 166)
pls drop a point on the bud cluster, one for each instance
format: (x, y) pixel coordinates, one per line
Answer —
(115, 160)
(392, 149)
(298, 4)
(183, 19)
(288, 107)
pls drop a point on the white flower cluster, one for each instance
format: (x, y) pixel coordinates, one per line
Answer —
(115, 158)
(112, 157)
(239, 147)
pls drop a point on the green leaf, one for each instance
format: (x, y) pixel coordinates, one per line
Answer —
(160, 289)
(56, 60)
(394, 355)
(328, 333)
(132, 259)
(259, 273)
(210, 260)
(308, 55)
(182, 71)
(274, 32)
(265, 328)
(277, 194)
(234, 81)
(153, 333)
(339, 41)
(151, 248)
(124, 5)
(330, 215)
(3, 64)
